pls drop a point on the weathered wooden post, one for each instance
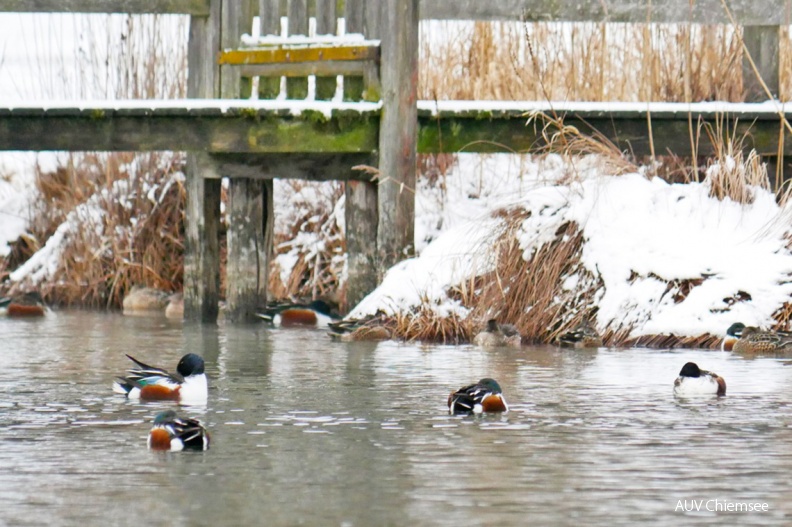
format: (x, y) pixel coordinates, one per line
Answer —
(762, 43)
(398, 131)
(361, 205)
(249, 202)
(202, 211)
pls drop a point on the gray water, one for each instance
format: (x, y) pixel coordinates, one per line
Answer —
(306, 431)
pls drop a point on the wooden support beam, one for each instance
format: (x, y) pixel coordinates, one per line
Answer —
(361, 218)
(246, 264)
(398, 129)
(308, 166)
(202, 210)
(247, 270)
(201, 241)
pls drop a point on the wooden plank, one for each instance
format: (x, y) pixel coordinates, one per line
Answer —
(246, 270)
(304, 69)
(745, 12)
(354, 17)
(629, 134)
(252, 130)
(297, 53)
(255, 132)
(269, 16)
(372, 89)
(363, 269)
(762, 44)
(202, 208)
(397, 138)
(298, 25)
(186, 7)
(236, 20)
(310, 166)
(326, 19)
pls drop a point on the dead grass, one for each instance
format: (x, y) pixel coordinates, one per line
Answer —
(126, 227)
(582, 62)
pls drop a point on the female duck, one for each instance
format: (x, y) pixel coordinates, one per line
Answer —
(497, 335)
(365, 329)
(170, 432)
(694, 381)
(583, 336)
(484, 396)
(148, 383)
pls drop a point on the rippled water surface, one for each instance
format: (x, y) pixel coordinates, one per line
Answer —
(309, 431)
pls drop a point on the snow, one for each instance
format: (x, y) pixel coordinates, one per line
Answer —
(640, 234)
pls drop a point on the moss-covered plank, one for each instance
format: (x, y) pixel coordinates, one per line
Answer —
(236, 131)
(298, 53)
(630, 134)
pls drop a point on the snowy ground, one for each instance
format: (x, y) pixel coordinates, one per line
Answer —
(640, 234)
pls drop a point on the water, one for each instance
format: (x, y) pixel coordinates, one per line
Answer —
(306, 431)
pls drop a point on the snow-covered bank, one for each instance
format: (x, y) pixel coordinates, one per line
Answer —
(671, 259)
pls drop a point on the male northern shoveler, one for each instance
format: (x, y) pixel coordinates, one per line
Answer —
(750, 339)
(694, 381)
(317, 313)
(173, 433)
(28, 304)
(733, 334)
(484, 396)
(583, 336)
(144, 301)
(148, 383)
(496, 335)
(369, 328)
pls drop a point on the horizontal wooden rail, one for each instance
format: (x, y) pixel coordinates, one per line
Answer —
(298, 53)
(185, 7)
(324, 128)
(745, 12)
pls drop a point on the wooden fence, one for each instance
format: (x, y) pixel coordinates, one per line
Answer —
(383, 125)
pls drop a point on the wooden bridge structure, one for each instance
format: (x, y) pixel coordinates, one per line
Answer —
(381, 123)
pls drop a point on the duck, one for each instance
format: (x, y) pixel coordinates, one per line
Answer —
(149, 383)
(583, 336)
(175, 308)
(483, 396)
(363, 329)
(496, 335)
(170, 432)
(750, 339)
(29, 304)
(144, 300)
(694, 381)
(317, 313)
